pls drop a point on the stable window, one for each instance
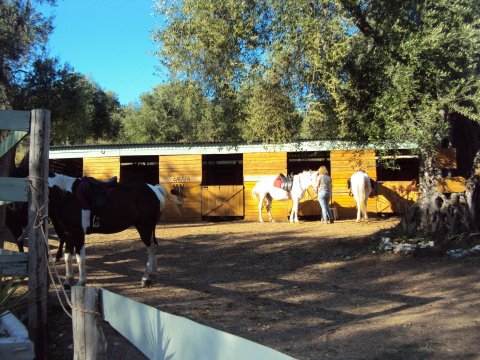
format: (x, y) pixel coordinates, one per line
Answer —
(400, 165)
(69, 167)
(307, 160)
(139, 168)
(222, 169)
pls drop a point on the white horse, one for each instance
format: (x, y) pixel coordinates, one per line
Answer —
(360, 185)
(265, 189)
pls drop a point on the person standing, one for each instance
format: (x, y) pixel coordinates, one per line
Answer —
(324, 188)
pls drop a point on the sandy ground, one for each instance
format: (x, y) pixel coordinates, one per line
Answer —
(309, 290)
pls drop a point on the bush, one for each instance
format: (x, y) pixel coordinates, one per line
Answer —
(12, 298)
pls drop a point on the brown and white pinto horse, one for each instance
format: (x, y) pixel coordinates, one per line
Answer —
(360, 186)
(124, 205)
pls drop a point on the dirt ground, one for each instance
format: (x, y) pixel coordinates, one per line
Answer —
(309, 290)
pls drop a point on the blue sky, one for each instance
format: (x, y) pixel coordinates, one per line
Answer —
(110, 41)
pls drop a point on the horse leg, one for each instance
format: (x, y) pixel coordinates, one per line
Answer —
(149, 268)
(294, 212)
(68, 269)
(61, 238)
(269, 207)
(154, 258)
(359, 210)
(365, 210)
(60, 250)
(148, 238)
(260, 206)
(82, 276)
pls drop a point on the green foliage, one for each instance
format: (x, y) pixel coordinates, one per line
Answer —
(270, 115)
(382, 71)
(11, 299)
(213, 44)
(81, 111)
(175, 112)
(23, 34)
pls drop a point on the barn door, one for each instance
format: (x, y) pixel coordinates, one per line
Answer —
(223, 201)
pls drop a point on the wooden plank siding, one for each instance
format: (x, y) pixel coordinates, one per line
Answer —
(343, 163)
(256, 166)
(222, 200)
(395, 196)
(102, 168)
(446, 158)
(184, 171)
(452, 184)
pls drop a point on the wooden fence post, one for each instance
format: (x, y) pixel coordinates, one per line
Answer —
(88, 338)
(37, 248)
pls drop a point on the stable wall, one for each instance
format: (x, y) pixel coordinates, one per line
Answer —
(185, 173)
(102, 168)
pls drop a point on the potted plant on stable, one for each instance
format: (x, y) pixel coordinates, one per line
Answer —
(14, 341)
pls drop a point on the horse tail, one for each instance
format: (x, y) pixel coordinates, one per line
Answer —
(361, 198)
(255, 193)
(163, 191)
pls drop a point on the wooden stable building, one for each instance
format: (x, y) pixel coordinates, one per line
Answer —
(217, 179)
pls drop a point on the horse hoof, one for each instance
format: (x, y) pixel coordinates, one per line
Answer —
(146, 282)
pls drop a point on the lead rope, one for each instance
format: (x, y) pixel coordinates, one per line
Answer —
(38, 222)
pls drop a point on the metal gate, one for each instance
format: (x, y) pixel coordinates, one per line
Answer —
(223, 201)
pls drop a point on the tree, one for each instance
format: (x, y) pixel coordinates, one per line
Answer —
(23, 33)
(174, 112)
(214, 44)
(81, 110)
(270, 114)
(426, 78)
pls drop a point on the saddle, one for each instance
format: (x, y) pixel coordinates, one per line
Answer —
(284, 182)
(92, 193)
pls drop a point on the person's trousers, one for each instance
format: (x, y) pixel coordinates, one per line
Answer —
(324, 197)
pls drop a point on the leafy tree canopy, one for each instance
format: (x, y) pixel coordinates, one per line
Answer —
(174, 112)
(81, 111)
(23, 33)
(372, 71)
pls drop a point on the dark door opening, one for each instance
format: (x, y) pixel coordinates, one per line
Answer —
(224, 169)
(69, 167)
(139, 168)
(399, 166)
(308, 209)
(308, 160)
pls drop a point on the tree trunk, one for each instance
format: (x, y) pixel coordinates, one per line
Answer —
(452, 218)
(449, 219)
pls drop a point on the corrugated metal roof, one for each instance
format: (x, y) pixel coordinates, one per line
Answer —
(85, 151)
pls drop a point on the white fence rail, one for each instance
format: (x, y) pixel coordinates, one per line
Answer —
(161, 336)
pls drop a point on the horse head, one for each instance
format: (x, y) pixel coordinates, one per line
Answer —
(313, 178)
(180, 194)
